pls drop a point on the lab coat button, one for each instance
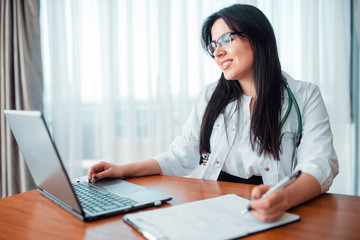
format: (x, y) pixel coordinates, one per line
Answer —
(217, 162)
(267, 169)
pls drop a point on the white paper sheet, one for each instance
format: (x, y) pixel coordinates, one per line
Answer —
(215, 218)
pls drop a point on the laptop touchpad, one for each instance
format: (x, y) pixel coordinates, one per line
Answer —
(118, 186)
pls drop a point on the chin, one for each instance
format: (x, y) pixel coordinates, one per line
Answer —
(230, 78)
(230, 75)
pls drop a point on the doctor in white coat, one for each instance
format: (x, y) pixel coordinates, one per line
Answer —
(254, 125)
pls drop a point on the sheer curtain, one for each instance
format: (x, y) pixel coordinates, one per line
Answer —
(121, 76)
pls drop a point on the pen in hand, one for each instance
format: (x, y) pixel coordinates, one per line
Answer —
(282, 184)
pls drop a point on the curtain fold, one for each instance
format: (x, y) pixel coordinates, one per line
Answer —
(356, 12)
(20, 83)
(356, 91)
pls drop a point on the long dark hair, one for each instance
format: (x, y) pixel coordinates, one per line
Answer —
(266, 113)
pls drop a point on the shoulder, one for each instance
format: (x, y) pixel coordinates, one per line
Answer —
(302, 90)
(208, 91)
(204, 98)
(308, 97)
(300, 87)
(210, 88)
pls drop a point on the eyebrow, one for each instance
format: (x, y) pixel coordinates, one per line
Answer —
(212, 40)
(220, 36)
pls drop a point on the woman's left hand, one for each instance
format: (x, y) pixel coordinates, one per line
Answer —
(270, 208)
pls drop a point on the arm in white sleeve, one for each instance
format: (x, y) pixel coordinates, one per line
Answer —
(316, 154)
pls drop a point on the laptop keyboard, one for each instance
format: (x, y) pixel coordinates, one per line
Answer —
(95, 200)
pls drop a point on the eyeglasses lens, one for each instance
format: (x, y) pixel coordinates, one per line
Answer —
(212, 48)
(223, 40)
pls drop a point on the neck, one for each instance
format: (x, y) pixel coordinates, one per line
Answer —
(248, 87)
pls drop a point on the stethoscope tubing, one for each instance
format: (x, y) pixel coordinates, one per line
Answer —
(292, 100)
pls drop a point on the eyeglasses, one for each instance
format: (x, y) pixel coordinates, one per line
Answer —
(223, 40)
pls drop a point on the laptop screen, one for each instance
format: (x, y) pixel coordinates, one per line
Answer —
(41, 156)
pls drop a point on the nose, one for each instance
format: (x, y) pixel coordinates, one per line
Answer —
(219, 51)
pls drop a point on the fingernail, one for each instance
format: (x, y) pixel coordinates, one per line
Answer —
(95, 177)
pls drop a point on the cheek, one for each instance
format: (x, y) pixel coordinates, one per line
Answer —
(248, 55)
(246, 60)
(245, 54)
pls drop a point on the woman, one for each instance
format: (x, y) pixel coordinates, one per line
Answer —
(237, 125)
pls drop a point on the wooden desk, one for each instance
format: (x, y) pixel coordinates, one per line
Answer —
(31, 216)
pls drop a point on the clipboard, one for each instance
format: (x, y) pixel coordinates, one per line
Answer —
(213, 219)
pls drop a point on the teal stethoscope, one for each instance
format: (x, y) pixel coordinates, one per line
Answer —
(292, 101)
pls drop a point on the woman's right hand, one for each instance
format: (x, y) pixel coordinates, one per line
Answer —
(104, 170)
(135, 169)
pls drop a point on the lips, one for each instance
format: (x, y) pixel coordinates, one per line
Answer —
(225, 64)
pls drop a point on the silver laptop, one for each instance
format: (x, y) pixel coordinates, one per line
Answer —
(84, 200)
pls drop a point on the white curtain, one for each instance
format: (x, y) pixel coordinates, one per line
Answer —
(122, 75)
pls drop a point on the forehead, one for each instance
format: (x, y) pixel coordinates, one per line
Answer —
(219, 28)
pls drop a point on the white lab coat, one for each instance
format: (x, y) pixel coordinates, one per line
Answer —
(315, 155)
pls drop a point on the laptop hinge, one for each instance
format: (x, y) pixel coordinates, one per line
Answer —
(62, 204)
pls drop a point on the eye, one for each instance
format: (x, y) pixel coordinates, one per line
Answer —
(225, 40)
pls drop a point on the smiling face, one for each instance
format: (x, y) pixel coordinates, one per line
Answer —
(235, 60)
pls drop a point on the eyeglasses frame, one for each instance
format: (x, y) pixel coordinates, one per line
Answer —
(217, 42)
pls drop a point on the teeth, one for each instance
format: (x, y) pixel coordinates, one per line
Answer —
(226, 63)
